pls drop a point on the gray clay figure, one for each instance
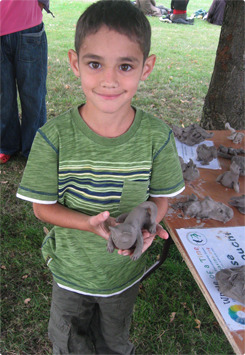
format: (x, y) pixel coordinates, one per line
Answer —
(192, 134)
(189, 170)
(205, 209)
(129, 232)
(206, 154)
(228, 152)
(232, 283)
(240, 161)
(236, 137)
(230, 178)
(239, 203)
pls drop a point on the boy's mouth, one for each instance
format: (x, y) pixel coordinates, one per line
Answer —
(109, 96)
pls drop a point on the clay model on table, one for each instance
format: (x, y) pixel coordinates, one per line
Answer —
(232, 283)
(129, 232)
(239, 203)
(205, 209)
(240, 161)
(191, 135)
(228, 153)
(230, 178)
(206, 154)
(236, 137)
(189, 170)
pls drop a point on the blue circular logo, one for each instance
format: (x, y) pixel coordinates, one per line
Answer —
(196, 238)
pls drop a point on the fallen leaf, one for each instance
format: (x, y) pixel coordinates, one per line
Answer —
(27, 300)
(172, 316)
(46, 231)
(198, 323)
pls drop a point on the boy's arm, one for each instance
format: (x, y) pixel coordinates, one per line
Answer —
(162, 206)
(62, 216)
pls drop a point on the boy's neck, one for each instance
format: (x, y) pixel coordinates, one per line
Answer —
(110, 125)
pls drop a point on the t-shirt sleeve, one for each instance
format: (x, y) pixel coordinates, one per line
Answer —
(166, 178)
(40, 179)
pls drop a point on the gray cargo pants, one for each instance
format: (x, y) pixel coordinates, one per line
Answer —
(81, 324)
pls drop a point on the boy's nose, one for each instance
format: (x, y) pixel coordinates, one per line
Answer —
(109, 78)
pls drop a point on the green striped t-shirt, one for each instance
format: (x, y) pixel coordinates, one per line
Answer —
(84, 171)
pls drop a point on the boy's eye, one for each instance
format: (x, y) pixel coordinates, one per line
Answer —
(125, 67)
(94, 65)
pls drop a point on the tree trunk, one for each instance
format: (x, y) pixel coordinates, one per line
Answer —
(224, 101)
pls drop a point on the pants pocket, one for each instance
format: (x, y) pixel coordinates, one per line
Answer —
(58, 331)
(31, 45)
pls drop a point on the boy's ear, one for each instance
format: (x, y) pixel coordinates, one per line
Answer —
(73, 59)
(148, 67)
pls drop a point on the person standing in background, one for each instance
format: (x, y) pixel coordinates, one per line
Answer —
(23, 68)
(179, 9)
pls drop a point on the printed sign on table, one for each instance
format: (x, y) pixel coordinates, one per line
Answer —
(211, 250)
(189, 152)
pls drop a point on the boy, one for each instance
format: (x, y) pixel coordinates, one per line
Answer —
(91, 164)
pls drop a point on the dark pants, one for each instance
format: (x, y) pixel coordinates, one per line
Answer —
(81, 324)
(23, 67)
(175, 17)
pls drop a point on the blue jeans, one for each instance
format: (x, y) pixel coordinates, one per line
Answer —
(23, 66)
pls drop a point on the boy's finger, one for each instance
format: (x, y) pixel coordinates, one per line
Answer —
(162, 233)
(100, 218)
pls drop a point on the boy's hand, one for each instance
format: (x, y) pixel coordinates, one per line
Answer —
(148, 239)
(100, 223)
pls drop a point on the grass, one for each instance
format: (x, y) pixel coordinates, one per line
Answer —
(170, 302)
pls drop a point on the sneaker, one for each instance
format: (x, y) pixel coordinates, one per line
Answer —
(4, 158)
(167, 20)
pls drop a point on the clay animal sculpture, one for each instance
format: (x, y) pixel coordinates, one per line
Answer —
(206, 154)
(238, 202)
(192, 134)
(236, 137)
(189, 170)
(205, 209)
(240, 161)
(232, 283)
(228, 152)
(230, 178)
(129, 232)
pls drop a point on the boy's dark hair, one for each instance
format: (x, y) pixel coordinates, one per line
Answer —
(118, 15)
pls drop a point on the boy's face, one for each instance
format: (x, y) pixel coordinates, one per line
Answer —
(110, 67)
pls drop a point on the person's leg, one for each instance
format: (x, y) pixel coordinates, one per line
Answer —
(175, 17)
(10, 124)
(164, 10)
(70, 317)
(31, 73)
(110, 326)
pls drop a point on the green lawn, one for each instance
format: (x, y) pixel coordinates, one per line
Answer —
(170, 302)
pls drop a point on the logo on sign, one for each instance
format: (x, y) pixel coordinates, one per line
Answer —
(196, 238)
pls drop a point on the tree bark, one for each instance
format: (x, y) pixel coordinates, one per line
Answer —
(224, 101)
